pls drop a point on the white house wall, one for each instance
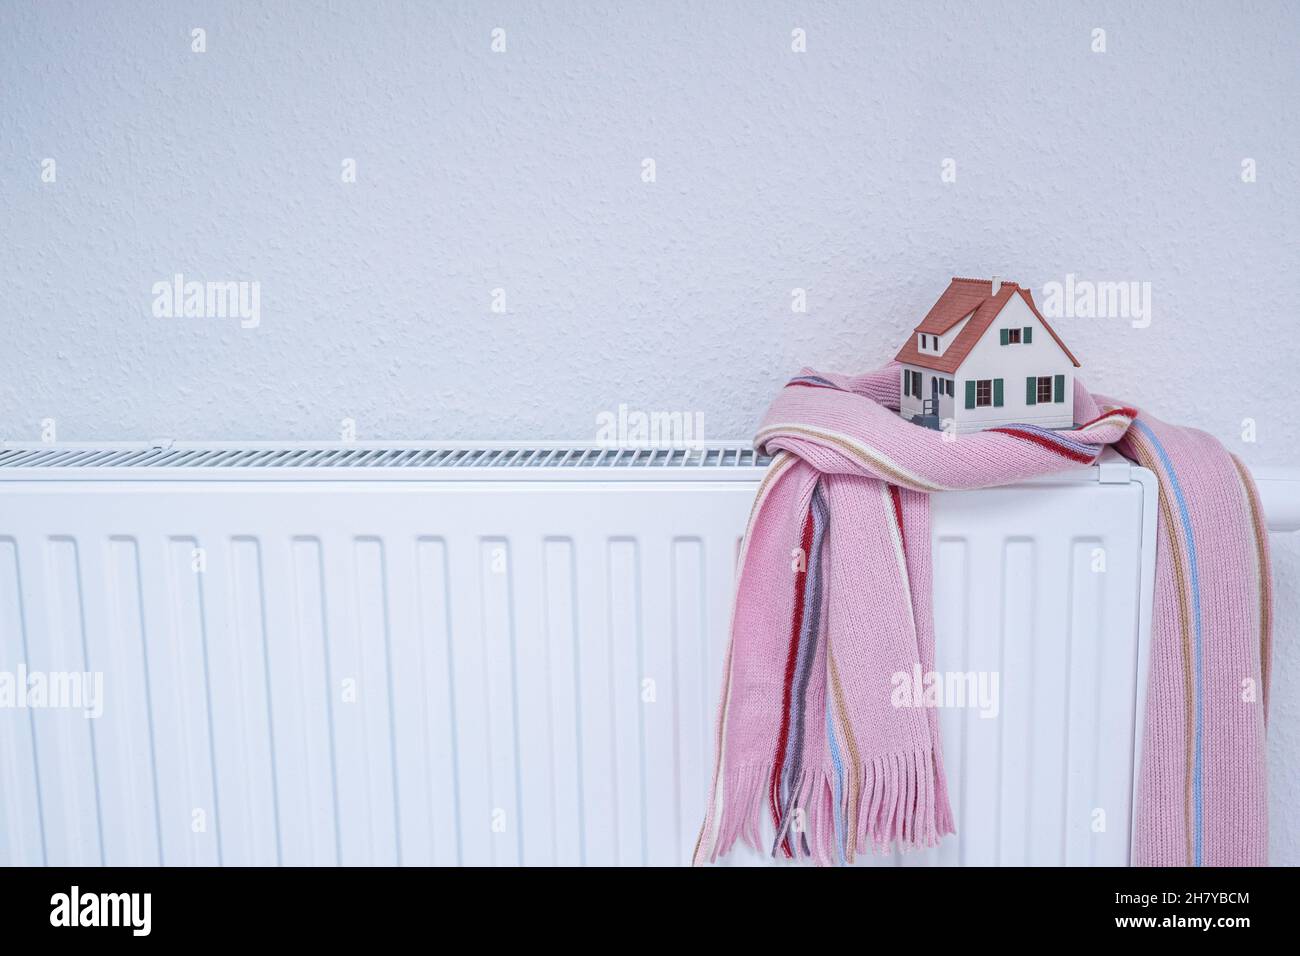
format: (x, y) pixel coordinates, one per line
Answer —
(910, 406)
(1014, 364)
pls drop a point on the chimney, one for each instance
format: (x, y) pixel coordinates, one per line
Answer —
(997, 284)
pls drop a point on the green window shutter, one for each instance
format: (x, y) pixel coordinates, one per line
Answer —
(1005, 335)
(1031, 391)
(1028, 335)
(997, 392)
(970, 394)
(1058, 389)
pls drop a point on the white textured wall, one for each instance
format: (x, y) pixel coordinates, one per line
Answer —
(521, 170)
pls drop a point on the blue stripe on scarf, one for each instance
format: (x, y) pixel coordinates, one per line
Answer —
(814, 380)
(1061, 438)
(839, 782)
(1186, 521)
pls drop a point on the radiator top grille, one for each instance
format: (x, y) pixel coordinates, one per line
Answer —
(358, 457)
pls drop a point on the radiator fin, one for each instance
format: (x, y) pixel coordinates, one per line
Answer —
(22, 842)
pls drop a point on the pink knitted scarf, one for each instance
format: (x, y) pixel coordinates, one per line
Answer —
(833, 598)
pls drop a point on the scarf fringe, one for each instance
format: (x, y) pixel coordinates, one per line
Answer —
(890, 802)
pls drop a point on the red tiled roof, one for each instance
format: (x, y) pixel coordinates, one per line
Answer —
(962, 298)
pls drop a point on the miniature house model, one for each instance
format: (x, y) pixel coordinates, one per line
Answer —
(984, 356)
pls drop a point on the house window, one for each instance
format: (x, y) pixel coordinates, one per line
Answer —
(923, 342)
(1013, 336)
(1044, 389)
(983, 392)
(948, 387)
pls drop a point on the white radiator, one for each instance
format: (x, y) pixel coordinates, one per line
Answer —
(510, 654)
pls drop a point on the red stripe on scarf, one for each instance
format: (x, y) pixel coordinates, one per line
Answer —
(1125, 411)
(788, 689)
(1045, 442)
(898, 513)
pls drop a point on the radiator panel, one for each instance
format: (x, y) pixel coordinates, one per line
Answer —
(503, 671)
